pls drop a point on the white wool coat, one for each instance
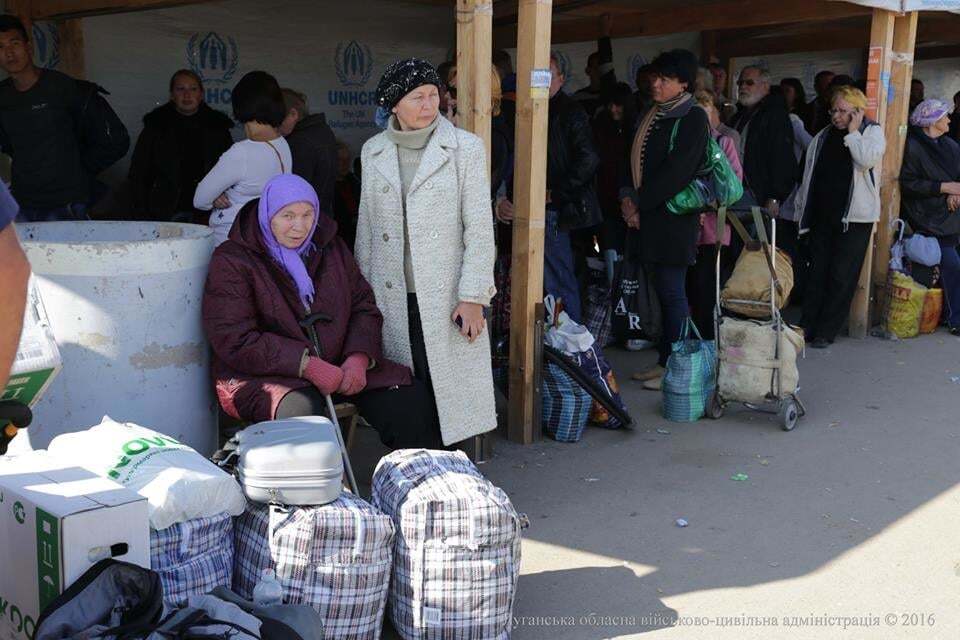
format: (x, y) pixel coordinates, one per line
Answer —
(450, 225)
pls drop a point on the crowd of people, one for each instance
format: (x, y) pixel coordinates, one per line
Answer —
(394, 260)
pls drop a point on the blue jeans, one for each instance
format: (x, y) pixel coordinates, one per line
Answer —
(68, 212)
(670, 283)
(559, 279)
(950, 274)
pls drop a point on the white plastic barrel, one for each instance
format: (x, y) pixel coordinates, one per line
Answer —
(123, 300)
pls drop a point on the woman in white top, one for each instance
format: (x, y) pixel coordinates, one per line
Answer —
(244, 168)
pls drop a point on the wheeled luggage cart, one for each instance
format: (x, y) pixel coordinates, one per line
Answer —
(786, 406)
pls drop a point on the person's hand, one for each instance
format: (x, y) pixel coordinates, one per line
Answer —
(222, 201)
(505, 211)
(471, 317)
(633, 222)
(354, 374)
(773, 208)
(323, 375)
(950, 188)
(606, 25)
(856, 119)
(627, 208)
(953, 203)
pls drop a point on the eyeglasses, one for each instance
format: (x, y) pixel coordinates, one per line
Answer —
(746, 83)
(840, 112)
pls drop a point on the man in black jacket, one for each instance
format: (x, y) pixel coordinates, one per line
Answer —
(572, 204)
(766, 136)
(59, 132)
(312, 145)
(180, 142)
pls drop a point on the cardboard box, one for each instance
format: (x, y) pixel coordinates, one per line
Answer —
(56, 521)
(38, 359)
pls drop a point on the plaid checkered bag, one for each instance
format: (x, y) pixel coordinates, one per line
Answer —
(566, 405)
(193, 557)
(335, 558)
(599, 314)
(457, 556)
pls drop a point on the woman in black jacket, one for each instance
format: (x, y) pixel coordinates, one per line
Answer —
(180, 142)
(661, 165)
(930, 183)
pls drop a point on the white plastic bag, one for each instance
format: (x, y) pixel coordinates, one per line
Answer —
(563, 333)
(178, 483)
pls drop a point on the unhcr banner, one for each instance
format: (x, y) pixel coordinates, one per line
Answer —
(334, 52)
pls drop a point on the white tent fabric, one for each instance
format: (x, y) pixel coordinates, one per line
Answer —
(910, 5)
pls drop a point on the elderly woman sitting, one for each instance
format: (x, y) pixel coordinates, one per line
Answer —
(283, 261)
(930, 180)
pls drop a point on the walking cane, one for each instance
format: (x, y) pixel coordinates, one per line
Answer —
(309, 323)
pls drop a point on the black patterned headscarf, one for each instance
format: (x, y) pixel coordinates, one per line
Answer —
(398, 80)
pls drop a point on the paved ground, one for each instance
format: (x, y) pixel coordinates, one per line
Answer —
(854, 515)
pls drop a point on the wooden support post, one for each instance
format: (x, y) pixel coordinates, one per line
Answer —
(72, 60)
(474, 67)
(530, 178)
(889, 72)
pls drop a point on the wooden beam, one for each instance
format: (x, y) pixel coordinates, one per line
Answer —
(530, 178)
(474, 67)
(895, 129)
(72, 59)
(730, 14)
(63, 9)
(938, 52)
(938, 34)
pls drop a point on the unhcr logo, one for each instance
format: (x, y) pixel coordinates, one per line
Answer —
(216, 60)
(46, 45)
(353, 63)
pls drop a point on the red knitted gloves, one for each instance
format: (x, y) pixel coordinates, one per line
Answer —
(323, 375)
(354, 374)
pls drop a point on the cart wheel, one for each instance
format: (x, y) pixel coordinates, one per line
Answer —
(715, 407)
(789, 414)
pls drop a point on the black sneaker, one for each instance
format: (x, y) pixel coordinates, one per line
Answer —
(954, 331)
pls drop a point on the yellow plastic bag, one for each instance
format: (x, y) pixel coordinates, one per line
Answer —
(906, 306)
(932, 310)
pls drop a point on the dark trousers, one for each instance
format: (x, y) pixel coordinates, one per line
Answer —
(950, 275)
(836, 257)
(670, 281)
(559, 275)
(405, 417)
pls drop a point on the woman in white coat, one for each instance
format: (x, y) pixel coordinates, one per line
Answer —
(838, 203)
(425, 244)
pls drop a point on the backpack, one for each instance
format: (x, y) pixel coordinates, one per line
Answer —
(103, 138)
(119, 597)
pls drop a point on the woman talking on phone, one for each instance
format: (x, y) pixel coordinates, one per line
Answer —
(838, 203)
(425, 244)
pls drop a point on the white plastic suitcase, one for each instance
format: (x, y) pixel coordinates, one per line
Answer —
(296, 461)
